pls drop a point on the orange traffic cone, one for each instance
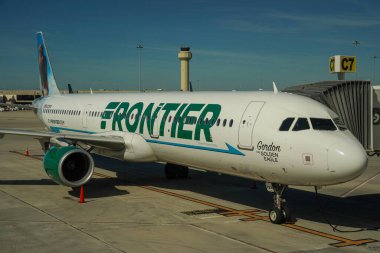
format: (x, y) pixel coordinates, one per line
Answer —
(26, 153)
(81, 195)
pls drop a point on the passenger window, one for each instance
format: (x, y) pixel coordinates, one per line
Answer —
(218, 122)
(286, 124)
(322, 124)
(231, 122)
(301, 124)
(224, 122)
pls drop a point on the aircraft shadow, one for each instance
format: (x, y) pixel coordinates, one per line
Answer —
(100, 188)
(97, 188)
(356, 212)
(28, 182)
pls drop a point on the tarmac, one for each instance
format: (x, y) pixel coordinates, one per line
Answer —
(132, 207)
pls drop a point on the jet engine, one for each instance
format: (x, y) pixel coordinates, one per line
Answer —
(69, 166)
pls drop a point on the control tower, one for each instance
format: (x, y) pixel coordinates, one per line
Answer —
(184, 56)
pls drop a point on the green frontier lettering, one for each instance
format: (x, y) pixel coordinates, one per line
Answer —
(155, 116)
(187, 134)
(107, 114)
(119, 115)
(130, 122)
(129, 116)
(167, 108)
(210, 108)
(149, 118)
(147, 115)
(177, 118)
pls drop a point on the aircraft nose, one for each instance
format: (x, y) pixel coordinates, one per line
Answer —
(347, 160)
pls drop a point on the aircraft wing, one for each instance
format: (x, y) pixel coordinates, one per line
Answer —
(111, 142)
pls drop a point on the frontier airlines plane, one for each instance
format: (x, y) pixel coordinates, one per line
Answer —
(279, 138)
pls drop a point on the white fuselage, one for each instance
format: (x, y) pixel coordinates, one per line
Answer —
(229, 132)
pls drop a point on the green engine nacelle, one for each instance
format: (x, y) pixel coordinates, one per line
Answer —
(69, 165)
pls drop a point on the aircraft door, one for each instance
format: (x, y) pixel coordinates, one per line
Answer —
(247, 124)
(85, 115)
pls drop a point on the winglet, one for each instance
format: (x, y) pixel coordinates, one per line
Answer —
(71, 91)
(275, 90)
(47, 80)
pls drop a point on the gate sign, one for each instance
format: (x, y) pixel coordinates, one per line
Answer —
(343, 64)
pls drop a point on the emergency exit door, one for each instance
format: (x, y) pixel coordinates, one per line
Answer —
(247, 124)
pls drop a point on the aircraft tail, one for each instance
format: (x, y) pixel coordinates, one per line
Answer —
(71, 91)
(47, 80)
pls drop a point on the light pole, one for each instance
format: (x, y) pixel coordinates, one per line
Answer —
(374, 67)
(356, 43)
(139, 47)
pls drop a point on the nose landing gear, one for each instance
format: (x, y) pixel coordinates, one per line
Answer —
(280, 212)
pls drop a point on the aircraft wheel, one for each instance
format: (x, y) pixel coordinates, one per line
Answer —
(170, 171)
(183, 172)
(286, 215)
(275, 215)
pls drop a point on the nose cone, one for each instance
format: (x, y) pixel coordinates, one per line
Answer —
(347, 160)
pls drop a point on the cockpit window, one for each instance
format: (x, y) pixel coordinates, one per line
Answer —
(286, 124)
(322, 124)
(340, 124)
(301, 124)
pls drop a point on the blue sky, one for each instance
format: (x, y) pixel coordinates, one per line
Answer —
(236, 44)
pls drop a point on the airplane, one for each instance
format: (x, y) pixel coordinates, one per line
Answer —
(278, 138)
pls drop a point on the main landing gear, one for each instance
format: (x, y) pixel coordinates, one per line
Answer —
(280, 212)
(173, 171)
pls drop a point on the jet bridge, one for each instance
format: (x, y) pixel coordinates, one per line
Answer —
(354, 102)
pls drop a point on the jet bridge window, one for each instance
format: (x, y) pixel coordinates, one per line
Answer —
(286, 124)
(322, 124)
(301, 124)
